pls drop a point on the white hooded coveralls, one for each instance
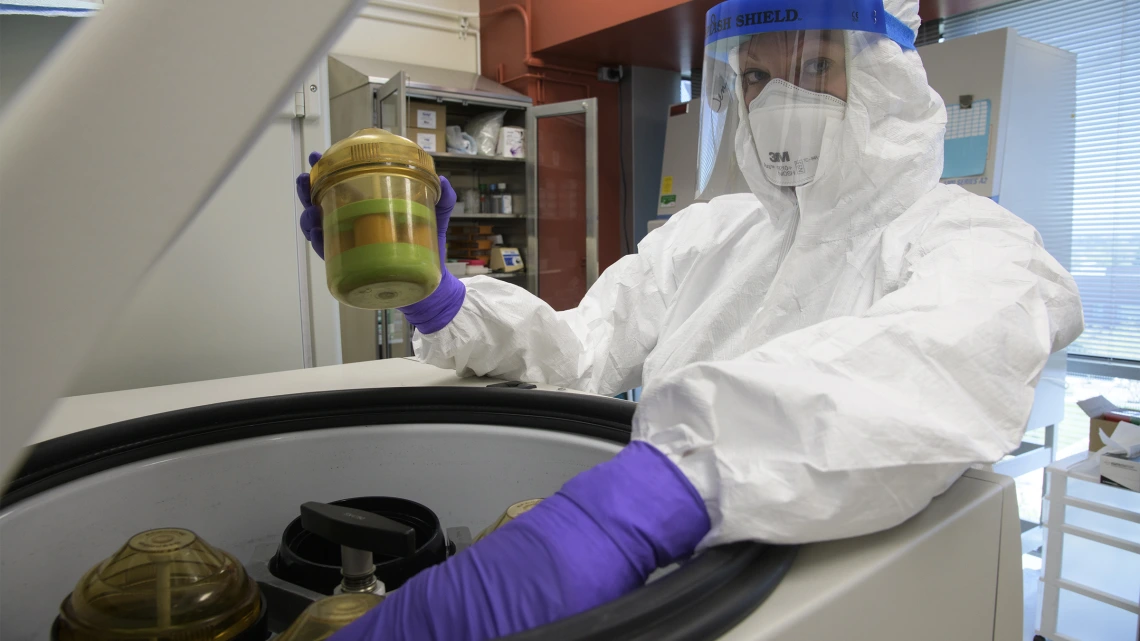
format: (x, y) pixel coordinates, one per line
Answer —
(820, 361)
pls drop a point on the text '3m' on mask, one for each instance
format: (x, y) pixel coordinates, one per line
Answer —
(788, 124)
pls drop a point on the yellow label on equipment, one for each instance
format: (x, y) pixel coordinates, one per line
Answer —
(667, 185)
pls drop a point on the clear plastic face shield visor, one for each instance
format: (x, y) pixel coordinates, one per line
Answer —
(775, 86)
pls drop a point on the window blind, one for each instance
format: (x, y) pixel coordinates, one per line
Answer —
(1105, 35)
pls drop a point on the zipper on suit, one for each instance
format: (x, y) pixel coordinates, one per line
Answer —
(789, 239)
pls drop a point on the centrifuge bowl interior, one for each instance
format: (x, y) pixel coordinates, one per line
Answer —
(235, 473)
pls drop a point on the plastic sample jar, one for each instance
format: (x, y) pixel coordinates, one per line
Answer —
(165, 584)
(377, 192)
(323, 618)
(512, 513)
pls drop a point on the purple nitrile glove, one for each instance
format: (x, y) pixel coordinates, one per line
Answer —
(597, 538)
(311, 217)
(434, 312)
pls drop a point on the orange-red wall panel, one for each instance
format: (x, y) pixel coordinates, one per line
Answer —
(558, 21)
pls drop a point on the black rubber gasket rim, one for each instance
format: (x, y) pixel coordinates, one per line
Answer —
(80, 454)
(704, 598)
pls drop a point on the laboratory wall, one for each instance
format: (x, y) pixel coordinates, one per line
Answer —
(223, 300)
(234, 294)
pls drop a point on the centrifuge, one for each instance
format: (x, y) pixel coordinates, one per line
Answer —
(223, 460)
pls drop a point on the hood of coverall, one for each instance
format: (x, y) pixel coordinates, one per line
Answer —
(878, 159)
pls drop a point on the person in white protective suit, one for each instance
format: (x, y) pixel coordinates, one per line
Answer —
(820, 357)
(824, 355)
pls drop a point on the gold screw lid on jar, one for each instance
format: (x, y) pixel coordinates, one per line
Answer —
(370, 150)
(163, 584)
(321, 619)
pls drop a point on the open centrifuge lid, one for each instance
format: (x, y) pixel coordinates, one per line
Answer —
(130, 80)
(702, 599)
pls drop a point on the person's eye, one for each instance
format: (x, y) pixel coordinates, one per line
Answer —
(755, 77)
(817, 67)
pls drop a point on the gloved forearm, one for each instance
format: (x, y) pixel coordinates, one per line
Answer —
(852, 425)
(596, 539)
(434, 312)
(600, 346)
(437, 310)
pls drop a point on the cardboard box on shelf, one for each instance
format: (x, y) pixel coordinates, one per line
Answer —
(468, 227)
(1120, 471)
(1120, 459)
(1096, 408)
(466, 232)
(512, 142)
(427, 115)
(427, 121)
(468, 254)
(429, 140)
(471, 244)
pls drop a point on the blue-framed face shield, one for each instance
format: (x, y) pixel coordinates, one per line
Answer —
(775, 80)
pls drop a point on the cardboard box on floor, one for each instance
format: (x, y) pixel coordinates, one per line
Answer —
(1095, 408)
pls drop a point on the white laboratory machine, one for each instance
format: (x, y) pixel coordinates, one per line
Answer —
(233, 460)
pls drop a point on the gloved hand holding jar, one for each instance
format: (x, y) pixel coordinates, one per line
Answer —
(384, 246)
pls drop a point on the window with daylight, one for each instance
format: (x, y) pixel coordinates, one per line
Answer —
(1105, 36)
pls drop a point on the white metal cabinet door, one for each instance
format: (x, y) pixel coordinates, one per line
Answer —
(367, 334)
(395, 334)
